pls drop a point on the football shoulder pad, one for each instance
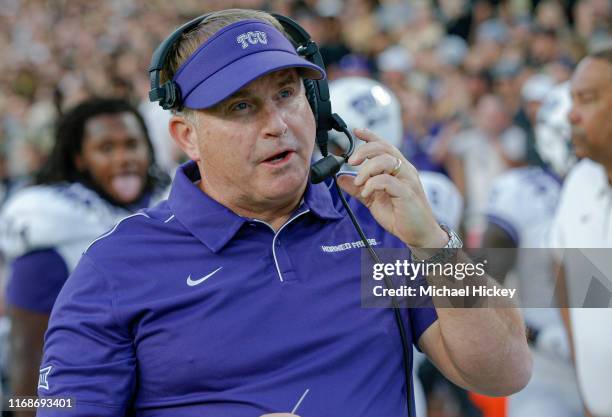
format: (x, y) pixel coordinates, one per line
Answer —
(41, 217)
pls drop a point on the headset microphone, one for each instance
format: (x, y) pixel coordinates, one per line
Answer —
(331, 164)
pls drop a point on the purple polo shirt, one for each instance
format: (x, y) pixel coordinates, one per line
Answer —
(188, 309)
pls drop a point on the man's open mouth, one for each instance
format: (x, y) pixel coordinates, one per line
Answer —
(279, 157)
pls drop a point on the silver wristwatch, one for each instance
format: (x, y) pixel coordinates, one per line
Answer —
(448, 252)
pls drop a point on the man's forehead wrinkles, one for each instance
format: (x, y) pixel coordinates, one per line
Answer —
(288, 79)
(583, 87)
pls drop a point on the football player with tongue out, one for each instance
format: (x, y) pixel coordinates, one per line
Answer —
(100, 170)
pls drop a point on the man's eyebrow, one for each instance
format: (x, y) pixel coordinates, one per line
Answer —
(583, 91)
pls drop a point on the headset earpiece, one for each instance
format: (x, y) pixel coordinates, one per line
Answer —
(168, 95)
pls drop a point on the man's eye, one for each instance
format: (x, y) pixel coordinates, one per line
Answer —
(106, 148)
(587, 97)
(240, 106)
(286, 93)
(132, 144)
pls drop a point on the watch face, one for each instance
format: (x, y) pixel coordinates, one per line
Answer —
(455, 241)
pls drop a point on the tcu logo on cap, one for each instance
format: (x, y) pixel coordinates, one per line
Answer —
(252, 38)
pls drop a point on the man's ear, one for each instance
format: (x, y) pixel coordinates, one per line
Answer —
(183, 132)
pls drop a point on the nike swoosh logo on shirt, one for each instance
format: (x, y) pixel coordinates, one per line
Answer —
(193, 283)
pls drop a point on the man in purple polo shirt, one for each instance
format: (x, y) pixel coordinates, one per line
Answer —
(222, 301)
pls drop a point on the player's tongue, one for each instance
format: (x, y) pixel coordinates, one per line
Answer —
(127, 186)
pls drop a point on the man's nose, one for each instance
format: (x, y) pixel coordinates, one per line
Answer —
(124, 155)
(275, 125)
(573, 116)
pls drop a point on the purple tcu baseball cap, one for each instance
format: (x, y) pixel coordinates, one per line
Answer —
(233, 57)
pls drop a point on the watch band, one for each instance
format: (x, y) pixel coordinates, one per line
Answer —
(448, 252)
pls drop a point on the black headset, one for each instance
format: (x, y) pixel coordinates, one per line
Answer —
(168, 95)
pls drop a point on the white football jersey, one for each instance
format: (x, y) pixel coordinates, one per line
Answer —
(523, 202)
(525, 199)
(65, 217)
(444, 198)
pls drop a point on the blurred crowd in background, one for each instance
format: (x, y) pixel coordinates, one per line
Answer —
(469, 74)
(464, 70)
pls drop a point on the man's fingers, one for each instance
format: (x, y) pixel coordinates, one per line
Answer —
(380, 164)
(383, 182)
(365, 151)
(370, 150)
(367, 135)
(346, 182)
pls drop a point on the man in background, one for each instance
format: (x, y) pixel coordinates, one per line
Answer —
(102, 168)
(584, 220)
